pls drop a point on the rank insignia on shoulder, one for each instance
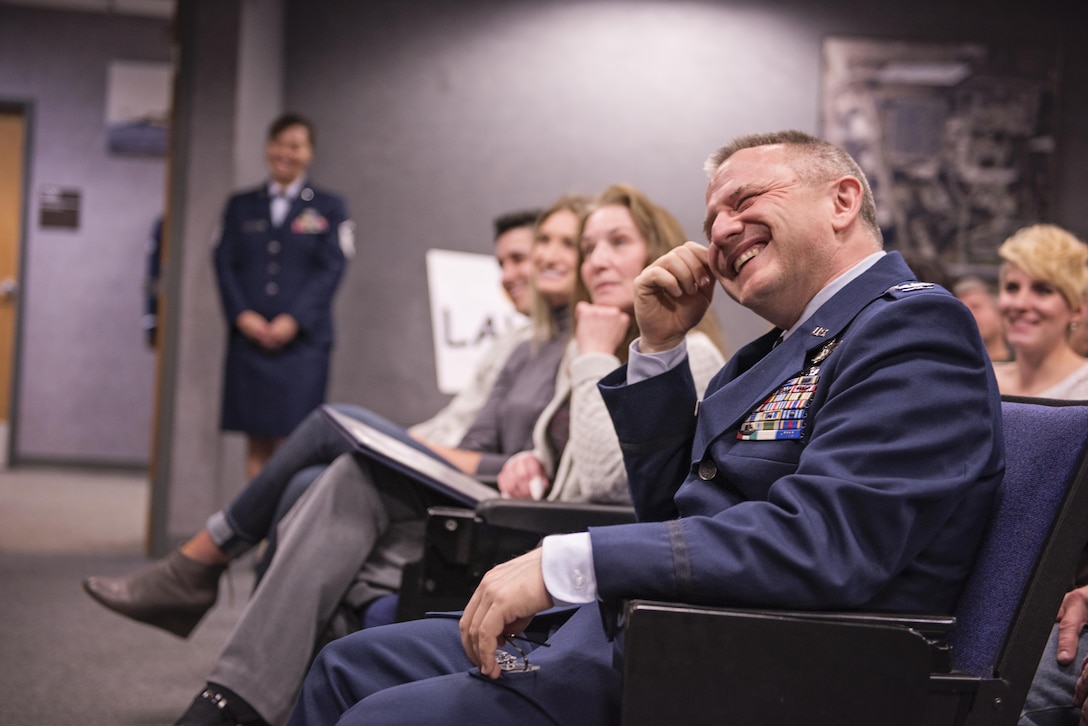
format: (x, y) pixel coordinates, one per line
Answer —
(911, 286)
(346, 235)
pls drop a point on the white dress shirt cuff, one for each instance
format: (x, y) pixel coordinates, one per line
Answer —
(641, 366)
(567, 564)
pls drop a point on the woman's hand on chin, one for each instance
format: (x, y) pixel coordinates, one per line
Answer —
(599, 328)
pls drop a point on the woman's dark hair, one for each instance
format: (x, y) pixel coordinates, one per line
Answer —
(287, 120)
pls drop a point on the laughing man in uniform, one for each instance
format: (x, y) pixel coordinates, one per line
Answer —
(846, 460)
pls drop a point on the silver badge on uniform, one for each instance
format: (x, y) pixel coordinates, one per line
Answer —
(823, 352)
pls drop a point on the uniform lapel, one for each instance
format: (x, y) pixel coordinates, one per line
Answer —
(264, 203)
(724, 409)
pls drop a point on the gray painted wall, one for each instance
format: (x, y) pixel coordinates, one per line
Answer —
(86, 377)
(434, 116)
(440, 117)
(260, 85)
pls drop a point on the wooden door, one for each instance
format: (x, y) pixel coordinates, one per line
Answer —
(12, 156)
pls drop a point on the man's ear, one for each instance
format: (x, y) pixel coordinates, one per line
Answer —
(846, 196)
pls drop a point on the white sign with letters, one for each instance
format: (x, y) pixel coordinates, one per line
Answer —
(468, 310)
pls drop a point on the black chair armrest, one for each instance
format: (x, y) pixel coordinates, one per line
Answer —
(551, 517)
(935, 628)
(462, 544)
(721, 665)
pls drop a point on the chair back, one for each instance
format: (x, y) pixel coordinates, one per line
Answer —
(1031, 547)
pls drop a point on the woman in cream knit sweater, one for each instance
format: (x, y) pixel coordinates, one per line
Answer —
(576, 455)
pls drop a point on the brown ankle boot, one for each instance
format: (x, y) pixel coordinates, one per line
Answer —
(173, 593)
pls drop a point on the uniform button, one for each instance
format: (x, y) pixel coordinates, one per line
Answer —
(707, 469)
(273, 268)
(579, 580)
(272, 289)
(274, 247)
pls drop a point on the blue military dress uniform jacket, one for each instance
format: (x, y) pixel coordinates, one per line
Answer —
(853, 466)
(292, 268)
(875, 498)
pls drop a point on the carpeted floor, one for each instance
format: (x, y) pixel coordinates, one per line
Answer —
(64, 659)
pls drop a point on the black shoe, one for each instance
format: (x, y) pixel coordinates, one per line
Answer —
(218, 706)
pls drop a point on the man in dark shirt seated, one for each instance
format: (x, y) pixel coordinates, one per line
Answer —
(846, 460)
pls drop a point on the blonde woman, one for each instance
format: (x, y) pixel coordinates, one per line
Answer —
(1041, 299)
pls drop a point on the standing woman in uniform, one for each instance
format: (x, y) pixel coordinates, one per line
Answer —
(278, 263)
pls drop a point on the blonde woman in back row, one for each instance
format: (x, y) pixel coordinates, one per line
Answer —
(1041, 299)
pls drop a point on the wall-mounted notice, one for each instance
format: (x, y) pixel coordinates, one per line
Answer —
(58, 208)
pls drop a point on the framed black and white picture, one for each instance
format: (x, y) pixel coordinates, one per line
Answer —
(957, 140)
